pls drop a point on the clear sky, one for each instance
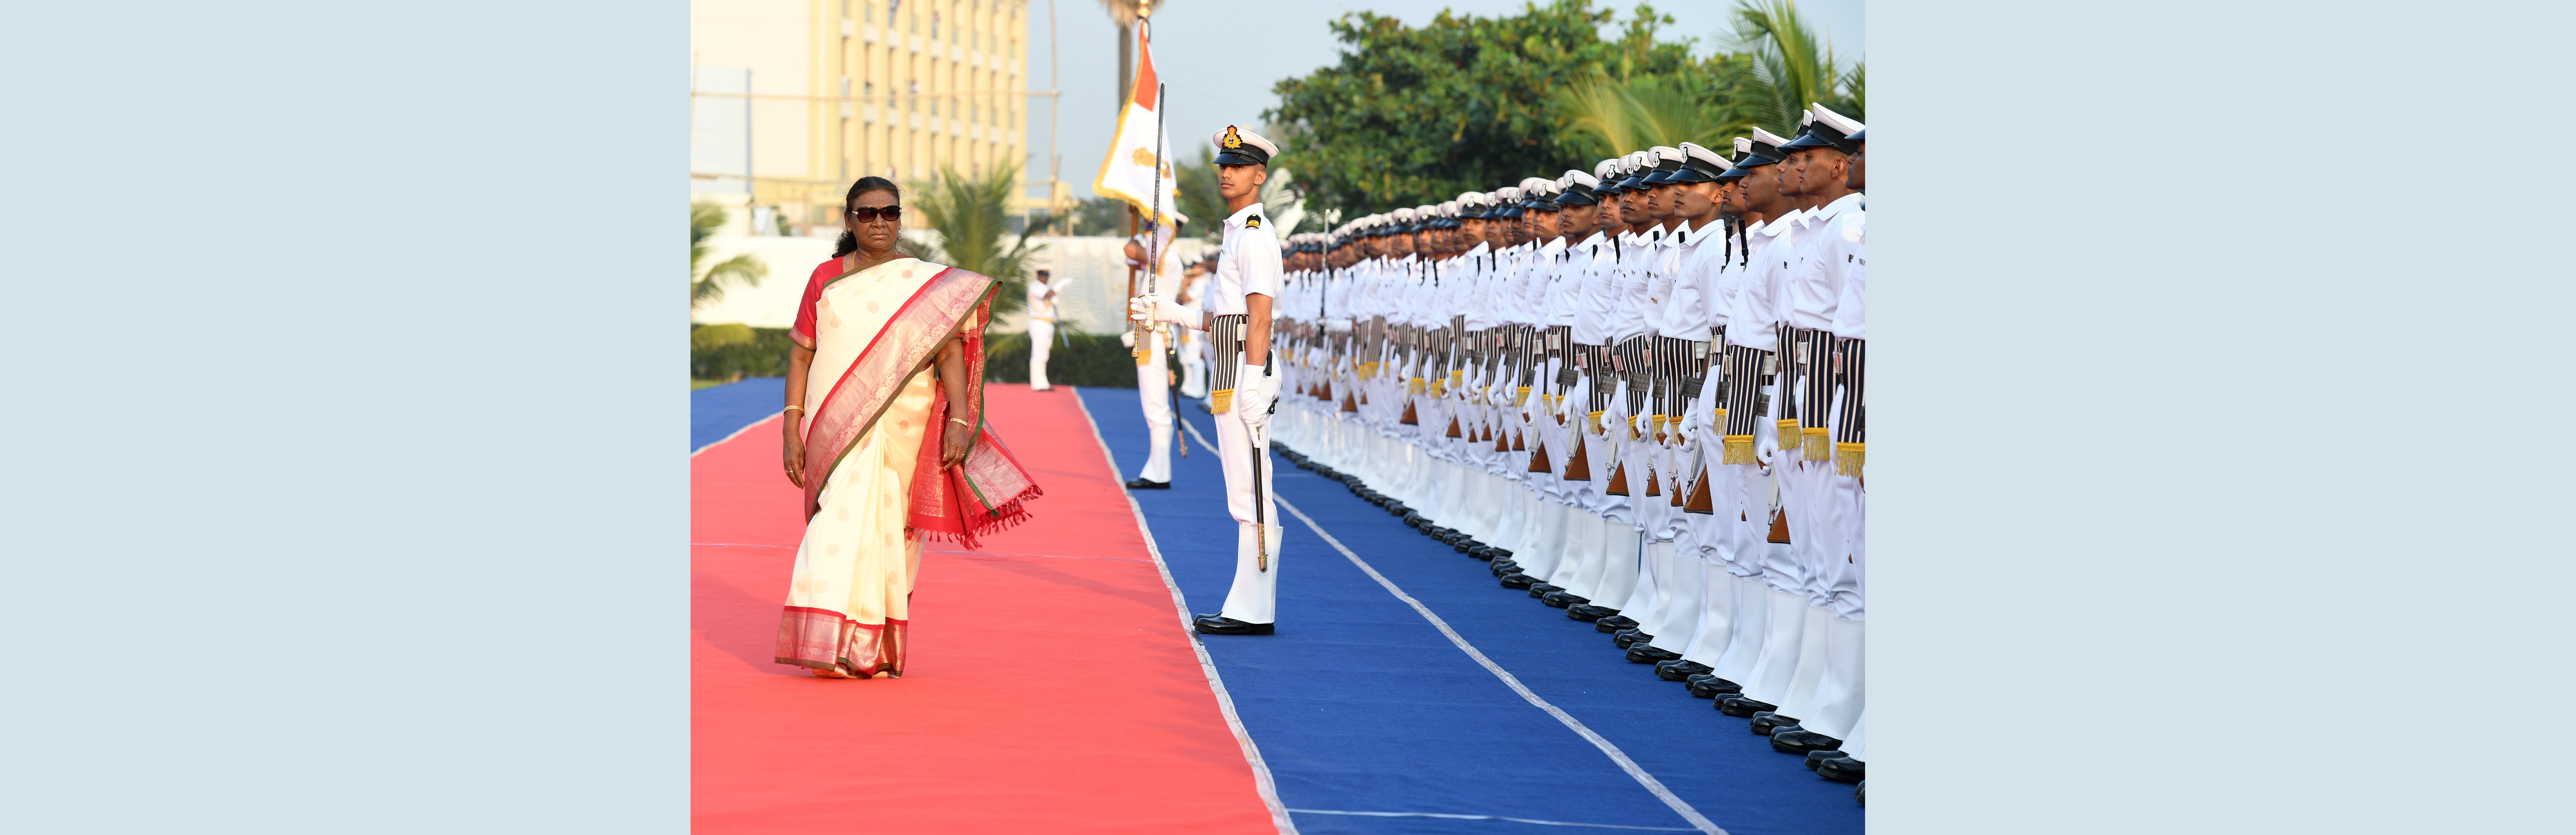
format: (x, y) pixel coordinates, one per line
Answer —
(1219, 58)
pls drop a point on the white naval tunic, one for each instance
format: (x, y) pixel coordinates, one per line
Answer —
(1250, 265)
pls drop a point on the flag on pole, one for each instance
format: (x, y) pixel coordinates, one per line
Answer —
(1128, 174)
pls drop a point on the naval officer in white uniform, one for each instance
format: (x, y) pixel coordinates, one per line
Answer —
(1237, 314)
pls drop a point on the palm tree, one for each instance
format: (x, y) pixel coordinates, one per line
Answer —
(1792, 68)
(970, 213)
(709, 284)
(1778, 67)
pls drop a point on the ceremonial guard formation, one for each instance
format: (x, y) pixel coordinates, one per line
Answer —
(1637, 390)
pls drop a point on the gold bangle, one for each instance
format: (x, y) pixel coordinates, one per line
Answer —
(793, 409)
(961, 422)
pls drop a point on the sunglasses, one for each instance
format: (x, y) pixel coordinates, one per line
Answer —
(864, 214)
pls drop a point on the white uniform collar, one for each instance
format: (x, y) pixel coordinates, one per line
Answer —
(1828, 211)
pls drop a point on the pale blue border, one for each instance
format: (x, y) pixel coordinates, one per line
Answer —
(2219, 439)
(345, 394)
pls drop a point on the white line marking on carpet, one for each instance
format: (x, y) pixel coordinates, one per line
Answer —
(736, 434)
(1225, 703)
(1490, 818)
(1653, 786)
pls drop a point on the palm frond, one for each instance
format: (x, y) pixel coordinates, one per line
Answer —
(1792, 67)
(971, 215)
(744, 270)
(1597, 113)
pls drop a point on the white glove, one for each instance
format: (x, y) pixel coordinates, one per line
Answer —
(1147, 308)
(1253, 394)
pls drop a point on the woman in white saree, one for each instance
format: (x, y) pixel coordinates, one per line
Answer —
(889, 443)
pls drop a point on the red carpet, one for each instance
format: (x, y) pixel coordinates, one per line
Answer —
(1049, 688)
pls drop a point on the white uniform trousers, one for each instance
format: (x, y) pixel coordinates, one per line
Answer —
(1154, 393)
(1041, 341)
(1194, 365)
(1255, 595)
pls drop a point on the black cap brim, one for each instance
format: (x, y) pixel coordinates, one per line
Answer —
(1690, 175)
(1246, 155)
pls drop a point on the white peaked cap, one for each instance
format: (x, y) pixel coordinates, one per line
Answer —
(1528, 183)
(1402, 215)
(1576, 175)
(1837, 121)
(1471, 198)
(1694, 151)
(1449, 208)
(1768, 138)
(1636, 160)
(1664, 154)
(1508, 193)
(1265, 148)
(1539, 188)
(1426, 212)
(1604, 168)
(1743, 146)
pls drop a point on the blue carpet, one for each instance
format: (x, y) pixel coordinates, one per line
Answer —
(1359, 704)
(718, 411)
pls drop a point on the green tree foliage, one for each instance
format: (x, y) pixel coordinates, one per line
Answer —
(1790, 67)
(1195, 182)
(708, 283)
(1416, 115)
(971, 216)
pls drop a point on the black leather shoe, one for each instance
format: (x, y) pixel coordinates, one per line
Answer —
(1710, 687)
(1465, 545)
(1626, 638)
(1680, 670)
(1590, 612)
(1501, 553)
(1222, 625)
(1821, 755)
(1767, 722)
(1517, 580)
(1540, 590)
(1649, 653)
(1563, 599)
(1502, 567)
(1619, 622)
(1843, 770)
(1801, 741)
(1741, 706)
(1142, 484)
(1482, 552)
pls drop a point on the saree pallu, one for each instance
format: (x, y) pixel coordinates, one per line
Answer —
(875, 488)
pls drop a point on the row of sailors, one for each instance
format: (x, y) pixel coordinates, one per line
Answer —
(1638, 390)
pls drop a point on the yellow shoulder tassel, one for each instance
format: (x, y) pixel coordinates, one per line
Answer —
(1849, 456)
(1521, 398)
(1738, 450)
(1819, 446)
(1221, 401)
(1596, 421)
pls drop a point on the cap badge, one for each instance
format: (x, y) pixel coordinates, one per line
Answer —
(1231, 139)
